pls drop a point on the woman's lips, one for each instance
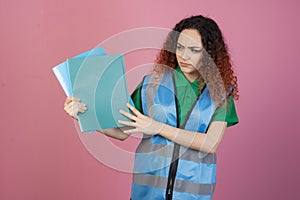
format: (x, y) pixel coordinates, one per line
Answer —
(184, 64)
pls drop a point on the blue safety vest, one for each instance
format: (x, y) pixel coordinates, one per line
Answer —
(164, 169)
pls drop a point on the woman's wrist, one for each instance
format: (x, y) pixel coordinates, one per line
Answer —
(166, 131)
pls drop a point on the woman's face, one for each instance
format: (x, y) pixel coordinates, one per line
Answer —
(189, 52)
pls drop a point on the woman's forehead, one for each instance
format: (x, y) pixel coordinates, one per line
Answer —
(190, 37)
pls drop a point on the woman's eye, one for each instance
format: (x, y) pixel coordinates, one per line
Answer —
(196, 51)
(179, 47)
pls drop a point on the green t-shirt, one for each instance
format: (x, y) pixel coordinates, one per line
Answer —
(187, 93)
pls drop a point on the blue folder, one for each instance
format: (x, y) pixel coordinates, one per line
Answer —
(61, 71)
(100, 83)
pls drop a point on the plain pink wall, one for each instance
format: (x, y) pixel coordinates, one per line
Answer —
(41, 155)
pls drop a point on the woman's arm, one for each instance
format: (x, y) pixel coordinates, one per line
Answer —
(117, 133)
(208, 142)
(73, 105)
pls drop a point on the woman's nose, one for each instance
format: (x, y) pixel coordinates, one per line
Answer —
(185, 54)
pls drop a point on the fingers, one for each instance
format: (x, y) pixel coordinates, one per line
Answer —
(70, 99)
(128, 115)
(75, 106)
(134, 110)
(134, 130)
(72, 106)
(127, 123)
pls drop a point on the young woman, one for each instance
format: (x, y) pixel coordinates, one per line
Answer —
(183, 108)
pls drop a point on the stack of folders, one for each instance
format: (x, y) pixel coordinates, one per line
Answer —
(99, 81)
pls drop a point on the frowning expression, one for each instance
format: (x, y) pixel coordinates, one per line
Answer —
(189, 52)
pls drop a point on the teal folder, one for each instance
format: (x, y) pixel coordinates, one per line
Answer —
(100, 83)
(61, 71)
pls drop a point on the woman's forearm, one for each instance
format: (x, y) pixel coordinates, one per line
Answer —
(202, 142)
(116, 133)
(183, 137)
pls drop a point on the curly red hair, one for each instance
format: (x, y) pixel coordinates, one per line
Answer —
(215, 54)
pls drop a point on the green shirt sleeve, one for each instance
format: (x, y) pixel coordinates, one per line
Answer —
(136, 98)
(227, 113)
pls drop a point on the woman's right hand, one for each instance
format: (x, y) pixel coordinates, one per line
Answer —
(73, 105)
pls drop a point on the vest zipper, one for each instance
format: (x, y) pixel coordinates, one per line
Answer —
(172, 172)
(175, 156)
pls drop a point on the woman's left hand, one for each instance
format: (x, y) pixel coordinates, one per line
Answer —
(141, 122)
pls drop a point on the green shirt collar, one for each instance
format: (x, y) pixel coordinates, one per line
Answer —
(181, 80)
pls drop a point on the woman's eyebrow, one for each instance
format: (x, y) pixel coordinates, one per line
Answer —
(190, 46)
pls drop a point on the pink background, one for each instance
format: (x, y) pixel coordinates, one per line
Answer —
(41, 155)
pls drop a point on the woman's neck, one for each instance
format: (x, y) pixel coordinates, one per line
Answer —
(191, 77)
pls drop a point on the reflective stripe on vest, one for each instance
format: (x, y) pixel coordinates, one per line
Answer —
(196, 171)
